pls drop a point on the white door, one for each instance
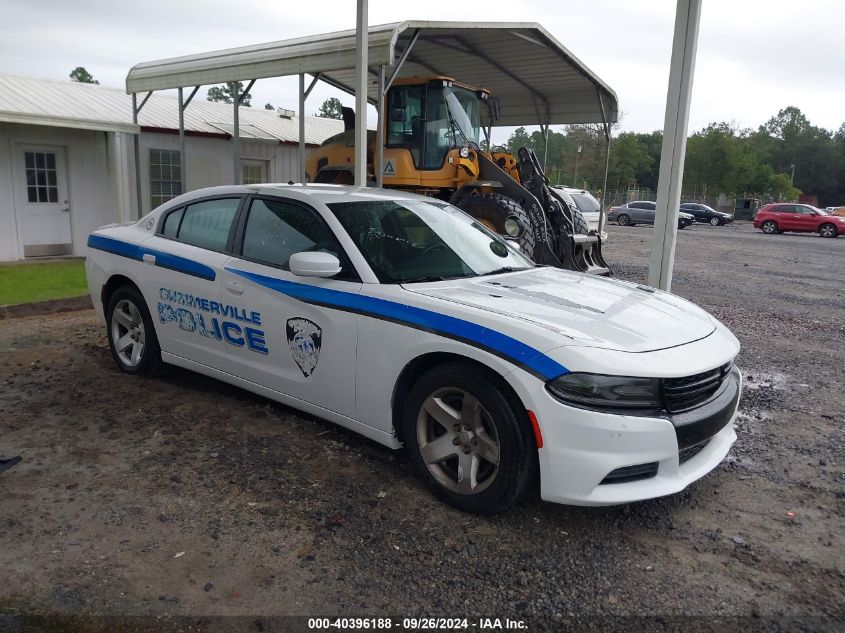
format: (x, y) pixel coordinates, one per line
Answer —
(41, 201)
(290, 341)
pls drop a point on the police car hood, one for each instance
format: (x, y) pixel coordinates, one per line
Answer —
(585, 309)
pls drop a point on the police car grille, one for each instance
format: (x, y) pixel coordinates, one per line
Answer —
(682, 394)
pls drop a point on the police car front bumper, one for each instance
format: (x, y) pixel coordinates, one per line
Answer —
(591, 458)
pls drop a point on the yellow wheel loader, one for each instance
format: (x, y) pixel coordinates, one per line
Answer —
(432, 147)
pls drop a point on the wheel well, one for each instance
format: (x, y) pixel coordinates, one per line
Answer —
(115, 282)
(417, 367)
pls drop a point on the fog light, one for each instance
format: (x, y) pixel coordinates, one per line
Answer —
(513, 227)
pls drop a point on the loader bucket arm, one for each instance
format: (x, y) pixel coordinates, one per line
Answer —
(578, 249)
(544, 251)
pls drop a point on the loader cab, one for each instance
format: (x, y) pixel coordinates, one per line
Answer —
(429, 117)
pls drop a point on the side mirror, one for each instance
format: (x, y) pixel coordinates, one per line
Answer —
(813, 213)
(314, 264)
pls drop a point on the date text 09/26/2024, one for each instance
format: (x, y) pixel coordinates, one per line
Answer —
(417, 624)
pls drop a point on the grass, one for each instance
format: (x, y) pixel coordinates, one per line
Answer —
(25, 283)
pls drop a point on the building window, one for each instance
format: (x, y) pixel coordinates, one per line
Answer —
(253, 172)
(41, 183)
(165, 175)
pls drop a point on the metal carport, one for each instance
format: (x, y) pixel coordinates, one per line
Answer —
(538, 80)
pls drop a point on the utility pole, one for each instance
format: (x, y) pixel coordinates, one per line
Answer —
(577, 157)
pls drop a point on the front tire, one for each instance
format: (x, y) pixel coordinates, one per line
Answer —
(492, 209)
(770, 227)
(715, 222)
(468, 440)
(132, 337)
(828, 230)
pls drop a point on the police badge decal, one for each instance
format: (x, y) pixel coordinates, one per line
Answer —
(304, 340)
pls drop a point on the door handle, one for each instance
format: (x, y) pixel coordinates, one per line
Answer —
(234, 287)
(149, 258)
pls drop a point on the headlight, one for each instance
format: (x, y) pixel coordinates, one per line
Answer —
(612, 393)
(513, 227)
(464, 152)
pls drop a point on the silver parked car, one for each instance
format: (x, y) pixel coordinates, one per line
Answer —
(642, 212)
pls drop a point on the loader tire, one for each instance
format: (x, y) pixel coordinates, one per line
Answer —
(492, 209)
(580, 224)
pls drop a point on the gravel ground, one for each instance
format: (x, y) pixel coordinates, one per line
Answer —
(180, 495)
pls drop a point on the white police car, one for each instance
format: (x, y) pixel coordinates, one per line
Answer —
(402, 318)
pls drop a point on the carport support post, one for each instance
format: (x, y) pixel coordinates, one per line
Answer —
(182, 143)
(136, 139)
(236, 141)
(681, 71)
(362, 42)
(379, 166)
(302, 128)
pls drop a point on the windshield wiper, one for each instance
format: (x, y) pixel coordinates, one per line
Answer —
(503, 269)
(436, 278)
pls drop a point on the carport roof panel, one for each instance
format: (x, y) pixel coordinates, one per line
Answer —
(520, 62)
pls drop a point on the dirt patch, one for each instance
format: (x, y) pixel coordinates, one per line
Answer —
(183, 496)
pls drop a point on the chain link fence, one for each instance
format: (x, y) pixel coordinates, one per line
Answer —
(719, 201)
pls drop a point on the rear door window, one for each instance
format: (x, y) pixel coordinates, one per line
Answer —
(207, 224)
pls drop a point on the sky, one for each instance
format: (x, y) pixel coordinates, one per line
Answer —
(754, 56)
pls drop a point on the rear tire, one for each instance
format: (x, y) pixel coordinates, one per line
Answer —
(770, 227)
(623, 220)
(492, 209)
(828, 230)
(132, 336)
(468, 440)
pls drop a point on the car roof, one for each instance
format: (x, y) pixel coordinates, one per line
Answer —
(570, 189)
(320, 192)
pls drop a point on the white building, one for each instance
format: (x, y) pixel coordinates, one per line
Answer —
(67, 160)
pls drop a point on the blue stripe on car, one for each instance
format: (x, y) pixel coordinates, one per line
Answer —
(163, 260)
(477, 335)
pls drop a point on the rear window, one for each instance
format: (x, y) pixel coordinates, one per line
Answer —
(585, 202)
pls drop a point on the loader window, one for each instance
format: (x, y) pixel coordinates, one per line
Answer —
(453, 119)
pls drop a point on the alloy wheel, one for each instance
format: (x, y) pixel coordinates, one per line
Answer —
(458, 441)
(127, 333)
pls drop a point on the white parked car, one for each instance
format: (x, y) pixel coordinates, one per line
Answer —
(404, 319)
(586, 203)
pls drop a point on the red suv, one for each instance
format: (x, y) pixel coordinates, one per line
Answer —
(801, 218)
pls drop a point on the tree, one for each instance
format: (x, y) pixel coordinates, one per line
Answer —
(226, 94)
(269, 106)
(332, 108)
(82, 76)
(630, 162)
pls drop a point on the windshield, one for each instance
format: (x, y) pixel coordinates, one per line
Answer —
(453, 119)
(416, 240)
